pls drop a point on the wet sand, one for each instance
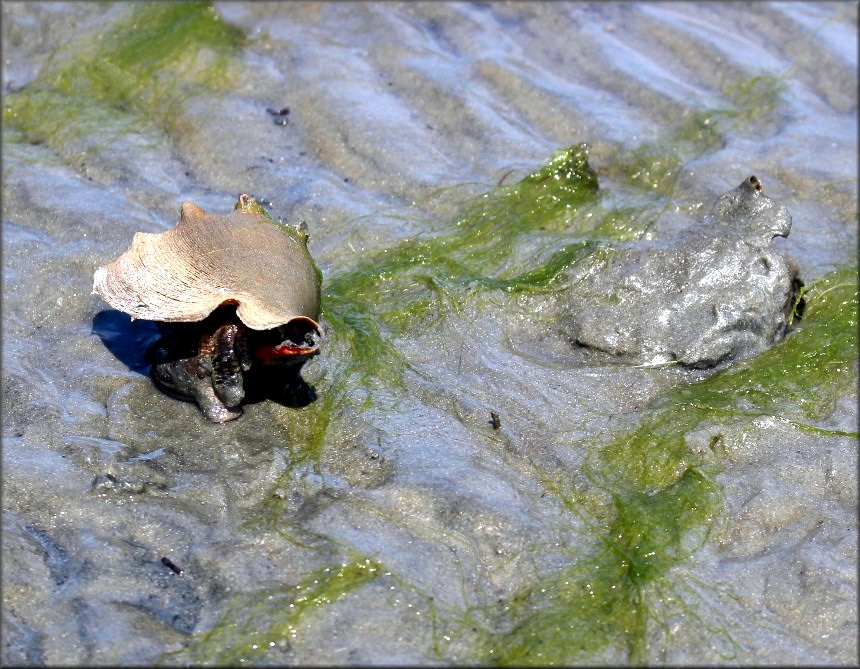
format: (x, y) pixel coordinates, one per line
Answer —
(399, 115)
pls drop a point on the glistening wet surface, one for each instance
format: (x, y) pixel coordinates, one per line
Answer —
(455, 164)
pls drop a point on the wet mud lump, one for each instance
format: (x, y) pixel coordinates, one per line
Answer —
(714, 293)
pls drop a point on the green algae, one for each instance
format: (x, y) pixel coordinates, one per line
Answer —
(753, 101)
(655, 166)
(799, 380)
(419, 281)
(647, 500)
(135, 74)
(659, 500)
(257, 623)
(602, 599)
(249, 205)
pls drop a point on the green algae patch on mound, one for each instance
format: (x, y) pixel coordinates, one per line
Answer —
(660, 503)
(268, 621)
(134, 74)
(419, 281)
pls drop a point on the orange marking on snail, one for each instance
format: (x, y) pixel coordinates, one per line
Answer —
(267, 352)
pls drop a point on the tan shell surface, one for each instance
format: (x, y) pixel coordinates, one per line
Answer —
(208, 260)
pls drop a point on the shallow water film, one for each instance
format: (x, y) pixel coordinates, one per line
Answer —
(457, 482)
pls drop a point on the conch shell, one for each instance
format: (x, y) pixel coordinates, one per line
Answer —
(243, 258)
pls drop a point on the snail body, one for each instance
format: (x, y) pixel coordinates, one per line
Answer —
(229, 291)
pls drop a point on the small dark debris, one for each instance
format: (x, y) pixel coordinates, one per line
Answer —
(495, 421)
(280, 115)
(167, 562)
